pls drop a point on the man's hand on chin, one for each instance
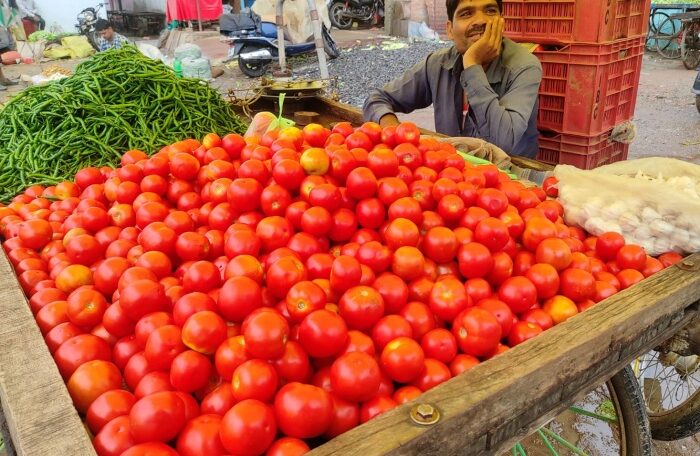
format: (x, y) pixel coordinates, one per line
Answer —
(488, 47)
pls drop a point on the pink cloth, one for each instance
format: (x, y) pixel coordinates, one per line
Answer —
(186, 10)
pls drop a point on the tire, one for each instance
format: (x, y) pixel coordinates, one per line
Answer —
(630, 407)
(329, 45)
(337, 19)
(690, 47)
(248, 68)
(682, 421)
(697, 102)
(92, 39)
(653, 30)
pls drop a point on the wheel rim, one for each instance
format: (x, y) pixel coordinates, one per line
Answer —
(690, 47)
(667, 381)
(338, 18)
(585, 429)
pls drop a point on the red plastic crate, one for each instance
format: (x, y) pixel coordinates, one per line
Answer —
(566, 21)
(585, 152)
(587, 89)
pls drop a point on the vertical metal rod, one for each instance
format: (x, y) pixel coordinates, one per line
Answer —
(279, 20)
(199, 15)
(323, 66)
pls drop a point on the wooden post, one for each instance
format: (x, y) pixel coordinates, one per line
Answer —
(279, 20)
(318, 39)
(199, 15)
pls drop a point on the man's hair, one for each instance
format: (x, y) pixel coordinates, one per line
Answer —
(102, 24)
(453, 4)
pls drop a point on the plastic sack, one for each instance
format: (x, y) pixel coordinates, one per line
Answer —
(264, 122)
(196, 68)
(653, 202)
(78, 46)
(188, 51)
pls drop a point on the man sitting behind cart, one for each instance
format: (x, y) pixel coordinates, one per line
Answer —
(484, 86)
(109, 39)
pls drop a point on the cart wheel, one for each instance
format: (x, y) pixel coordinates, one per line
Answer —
(609, 420)
(690, 46)
(667, 38)
(657, 17)
(329, 45)
(670, 384)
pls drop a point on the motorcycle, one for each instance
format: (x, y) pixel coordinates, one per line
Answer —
(255, 42)
(696, 91)
(87, 19)
(343, 12)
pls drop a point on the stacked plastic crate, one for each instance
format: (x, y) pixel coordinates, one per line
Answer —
(591, 53)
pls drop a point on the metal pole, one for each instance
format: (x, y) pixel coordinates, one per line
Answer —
(323, 66)
(279, 20)
(199, 15)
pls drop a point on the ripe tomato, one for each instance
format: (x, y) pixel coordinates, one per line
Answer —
(420, 317)
(560, 308)
(492, 200)
(475, 260)
(114, 438)
(631, 257)
(86, 306)
(545, 278)
(448, 298)
(35, 234)
(109, 405)
(157, 417)
(255, 379)
(402, 359)
(287, 446)
(370, 213)
(201, 436)
(477, 332)
(361, 307)
(608, 244)
(230, 354)
(72, 277)
(629, 277)
(355, 377)
(284, 273)
(162, 346)
(142, 297)
(670, 258)
(577, 284)
(294, 365)
(434, 372)
(238, 297)
(389, 328)
(79, 350)
(408, 263)
(555, 252)
(323, 333)
(519, 293)
(204, 331)
(265, 334)
(439, 344)
(522, 331)
(603, 290)
(501, 311)
(401, 232)
(303, 411)
(90, 380)
(537, 229)
(190, 371)
(440, 244)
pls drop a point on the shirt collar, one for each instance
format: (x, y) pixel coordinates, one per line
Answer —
(495, 71)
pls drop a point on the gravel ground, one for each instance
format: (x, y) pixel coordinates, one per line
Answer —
(364, 67)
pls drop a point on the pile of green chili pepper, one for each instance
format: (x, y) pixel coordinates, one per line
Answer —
(116, 101)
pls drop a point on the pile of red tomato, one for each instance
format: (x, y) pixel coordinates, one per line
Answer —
(254, 296)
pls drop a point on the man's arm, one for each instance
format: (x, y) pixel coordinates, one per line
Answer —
(26, 8)
(405, 94)
(502, 121)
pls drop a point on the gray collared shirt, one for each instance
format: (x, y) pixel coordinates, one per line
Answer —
(502, 100)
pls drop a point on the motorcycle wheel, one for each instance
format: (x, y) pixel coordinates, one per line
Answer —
(337, 17)
(329, 45)
(251, 69)
(92, 38)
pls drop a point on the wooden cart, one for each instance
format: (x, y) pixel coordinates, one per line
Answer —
(483, 411)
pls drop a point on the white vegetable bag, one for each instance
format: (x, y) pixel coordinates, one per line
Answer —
(653, 202)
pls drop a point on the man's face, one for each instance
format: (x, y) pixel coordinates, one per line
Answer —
(106, 33)
(469, 22)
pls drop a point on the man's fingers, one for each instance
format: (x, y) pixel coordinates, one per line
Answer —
(497, 35)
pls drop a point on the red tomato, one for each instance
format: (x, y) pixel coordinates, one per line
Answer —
(519, 293)
(389, 328)
(79, 350)
(408, 263)
(629, 277)
(434, 372)
(402, 359)
(323, 334)
(375, 407)
(555, 252)
(670, 258)
(190, 371)
(448, 298)
(501, 311)
(162, 346)
(440, 244)
(114, 438)
(157, 417)
(545, 278)
(90, 380)
(355, 377)
(401, 232)
(493, 201)
(522, 331)
(204, 331)
(86, 307)
(255, 379)
(230, 354)
(577, 284)
(265, 334)
(631, 257)
(106, 407)
(287, 446)
(361, 307)
(201, 436)
(538, 317)
(284, 273)
(608, 244)
(239, 296)
(35, 234)
(142, 297)
(439, 344)
(475, 260)
(303, 411)
(477, 332)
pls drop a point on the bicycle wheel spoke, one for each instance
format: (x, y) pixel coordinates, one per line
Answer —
(580, 411)
(547, 442)
(564, 442)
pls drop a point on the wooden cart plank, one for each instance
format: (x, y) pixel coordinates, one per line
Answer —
(509, 393)
(35, 401)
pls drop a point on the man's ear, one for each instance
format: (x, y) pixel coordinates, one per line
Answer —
(449, 30)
